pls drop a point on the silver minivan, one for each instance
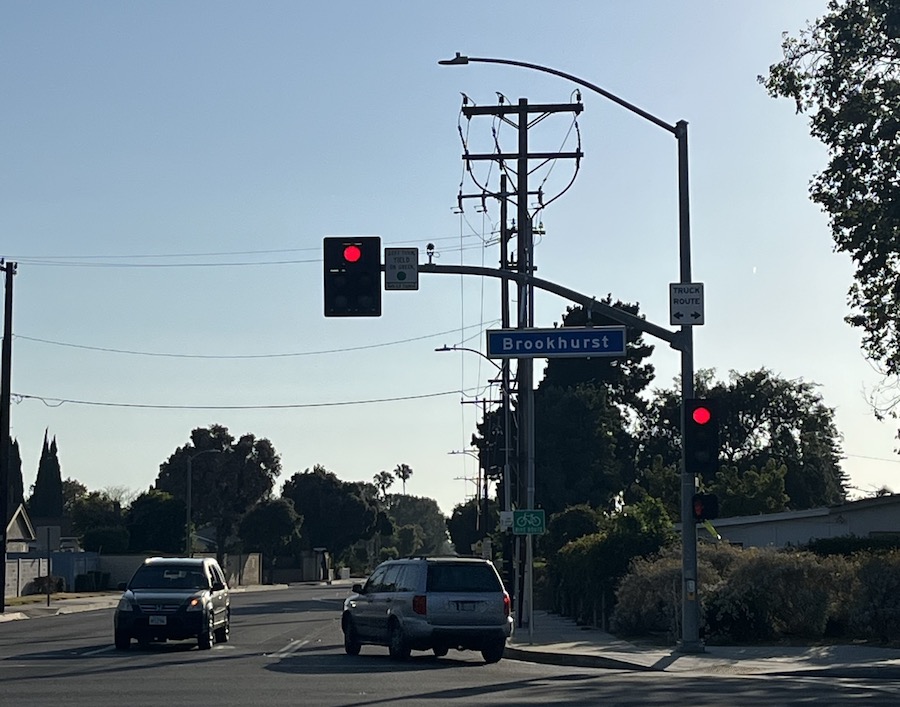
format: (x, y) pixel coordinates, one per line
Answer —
(429, 603)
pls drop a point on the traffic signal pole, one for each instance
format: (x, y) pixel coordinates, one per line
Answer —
(690, 640)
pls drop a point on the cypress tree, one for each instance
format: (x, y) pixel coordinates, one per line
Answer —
(16, 488)
(47, 499)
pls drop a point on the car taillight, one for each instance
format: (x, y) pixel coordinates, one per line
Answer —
(420, 604)
(506, 603)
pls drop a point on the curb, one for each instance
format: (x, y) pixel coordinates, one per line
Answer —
(576, 660)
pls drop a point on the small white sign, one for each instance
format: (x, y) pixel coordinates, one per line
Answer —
(686, 303)
(401, 268)
(506, 520)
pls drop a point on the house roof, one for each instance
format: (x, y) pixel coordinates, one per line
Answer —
(19, 527)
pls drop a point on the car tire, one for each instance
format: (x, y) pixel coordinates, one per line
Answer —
(493, 652)
(223, 633)
(352, 645)
(206, 638)
(397, 644)
(440, 651)
(122, 641)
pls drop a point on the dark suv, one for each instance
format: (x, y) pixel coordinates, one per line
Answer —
(430, 603)
(174, 598)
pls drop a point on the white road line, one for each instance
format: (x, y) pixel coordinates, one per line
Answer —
(289, 649)
(105, 649)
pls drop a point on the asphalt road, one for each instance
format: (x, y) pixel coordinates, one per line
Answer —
(286, 650)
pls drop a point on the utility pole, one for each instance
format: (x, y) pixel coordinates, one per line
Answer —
(5, 388)
(520, 113)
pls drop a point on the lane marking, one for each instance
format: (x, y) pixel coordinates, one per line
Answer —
(289, 649)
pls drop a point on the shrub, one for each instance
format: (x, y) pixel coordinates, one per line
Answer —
(876, 607)
(648, 599)
(770, 595)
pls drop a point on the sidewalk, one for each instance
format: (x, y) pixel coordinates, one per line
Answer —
(560, 641)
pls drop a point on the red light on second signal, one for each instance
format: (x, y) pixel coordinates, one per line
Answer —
(352, 253)
(701, 415)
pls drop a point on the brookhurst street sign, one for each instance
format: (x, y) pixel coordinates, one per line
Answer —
(564, 342)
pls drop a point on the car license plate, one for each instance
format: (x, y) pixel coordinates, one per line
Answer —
(157, 621)
(465, 605)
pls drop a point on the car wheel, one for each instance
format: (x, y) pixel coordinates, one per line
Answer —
(351, 639)
(493, 652)
(122, 641)
(206, 638)
(397, 645)
(440, 651)
(223, 633)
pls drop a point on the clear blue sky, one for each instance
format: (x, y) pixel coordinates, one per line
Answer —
(168, 171)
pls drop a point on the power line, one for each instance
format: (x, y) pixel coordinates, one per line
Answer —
(58, 402)
(82, 260)
(248, 356)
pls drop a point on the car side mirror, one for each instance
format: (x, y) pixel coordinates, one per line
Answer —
(218, 586)
(122, 586)
(357, 588)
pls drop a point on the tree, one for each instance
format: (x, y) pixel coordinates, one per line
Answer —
(844, 71)
(97, 519)
(568, 525)
(751, 492)
(335, 513)
(47, 498)
(269, 526)
(15, 490)
(582, 448)
(155, 523)
(383, 481)
(72, 490)
(463, 524)
(764, 418)
(425, 513)
(624, 378)
(226, 484)
(403, 472)
(409, 540)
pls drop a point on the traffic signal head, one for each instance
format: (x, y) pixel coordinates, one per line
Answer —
(705, 506)
(701, 437)
(352, 276)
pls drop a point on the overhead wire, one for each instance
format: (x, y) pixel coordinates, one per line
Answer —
(104, 349)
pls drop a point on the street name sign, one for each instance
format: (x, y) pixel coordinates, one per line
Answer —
(401, 268)
(528, 522)
(686, 303)
(564, 342)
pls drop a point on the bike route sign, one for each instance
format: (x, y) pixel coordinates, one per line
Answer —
(528, 522)
(564, 342)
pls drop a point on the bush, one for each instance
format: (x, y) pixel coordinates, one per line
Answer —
(850, 545)
(771, 595)
(876, 607)
(648, 599)
(111, 540)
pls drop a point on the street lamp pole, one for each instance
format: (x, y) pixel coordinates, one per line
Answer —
(188, 545)
(690, 641)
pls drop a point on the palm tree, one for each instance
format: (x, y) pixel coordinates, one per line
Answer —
(403, 472)
(384, 480)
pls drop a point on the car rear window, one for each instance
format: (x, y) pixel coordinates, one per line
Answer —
(468, 577)
(169, 577)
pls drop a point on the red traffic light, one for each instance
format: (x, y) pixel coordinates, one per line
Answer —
(352, 253)
(701, 415)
